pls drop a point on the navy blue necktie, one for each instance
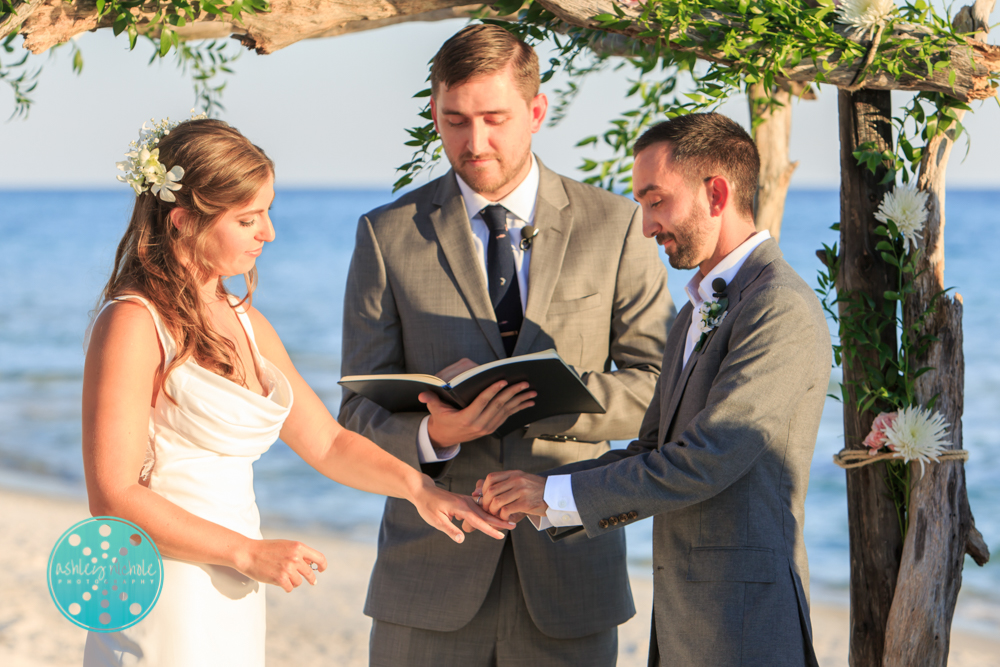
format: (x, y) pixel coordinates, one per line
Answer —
(504, 291)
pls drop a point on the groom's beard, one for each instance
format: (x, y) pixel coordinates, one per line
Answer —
(689, 235)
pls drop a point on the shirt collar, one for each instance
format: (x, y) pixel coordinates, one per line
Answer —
(520, 202)
(700, 290)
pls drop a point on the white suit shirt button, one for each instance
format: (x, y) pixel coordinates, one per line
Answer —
(562, 504)
(566, 518)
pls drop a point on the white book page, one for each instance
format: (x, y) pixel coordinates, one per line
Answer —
(472, 372)
(408, 377)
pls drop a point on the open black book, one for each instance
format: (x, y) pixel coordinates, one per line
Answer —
(560, 390)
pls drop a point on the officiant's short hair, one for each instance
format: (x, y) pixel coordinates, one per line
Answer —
(704, 143)
(483, 49)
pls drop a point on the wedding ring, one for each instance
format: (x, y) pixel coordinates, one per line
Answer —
(479, 500)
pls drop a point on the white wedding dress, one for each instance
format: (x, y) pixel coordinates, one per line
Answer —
(203, 447)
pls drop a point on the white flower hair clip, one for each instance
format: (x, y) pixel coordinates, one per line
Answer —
(143, 169)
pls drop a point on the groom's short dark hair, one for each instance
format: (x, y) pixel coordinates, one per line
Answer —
(483, 49)
(704, 143)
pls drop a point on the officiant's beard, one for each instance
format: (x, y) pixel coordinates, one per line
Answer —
(689, 237)
(488, 181)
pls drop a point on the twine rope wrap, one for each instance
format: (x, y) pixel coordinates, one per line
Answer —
(856, 458)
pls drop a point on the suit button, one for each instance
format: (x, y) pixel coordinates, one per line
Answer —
(623, 517)
(613, 520)
(633, 515)
(603, 523)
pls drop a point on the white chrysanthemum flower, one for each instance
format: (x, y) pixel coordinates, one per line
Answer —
(865, 15)
(906, 206)
(917, 435)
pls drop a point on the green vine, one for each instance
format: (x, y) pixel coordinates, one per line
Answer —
(19, 75)
(758, 42)
(888, 373)
(915, 127)
(203, 61)
(169, 15)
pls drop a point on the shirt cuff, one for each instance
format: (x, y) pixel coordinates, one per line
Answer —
(426, 452)
(558, 495)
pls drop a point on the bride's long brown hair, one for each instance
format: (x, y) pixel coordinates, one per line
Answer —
(222, 170)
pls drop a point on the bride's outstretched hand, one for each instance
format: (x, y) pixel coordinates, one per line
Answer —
(283, 563)
(440, 509)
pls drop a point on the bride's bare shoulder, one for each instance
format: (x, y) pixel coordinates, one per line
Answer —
(268, 341)
(125, 325)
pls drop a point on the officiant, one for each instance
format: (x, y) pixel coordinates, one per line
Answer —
(499, 257)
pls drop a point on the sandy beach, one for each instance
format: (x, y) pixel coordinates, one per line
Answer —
(321, 625)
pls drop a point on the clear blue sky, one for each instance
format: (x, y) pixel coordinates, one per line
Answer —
(332, 113)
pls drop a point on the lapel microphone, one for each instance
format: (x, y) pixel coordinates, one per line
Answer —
(528, 234)
(719, 285)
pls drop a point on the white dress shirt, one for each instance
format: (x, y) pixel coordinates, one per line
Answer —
(558, 494)
(520, 205)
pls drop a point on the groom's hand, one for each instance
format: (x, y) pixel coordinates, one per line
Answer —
(511, 494)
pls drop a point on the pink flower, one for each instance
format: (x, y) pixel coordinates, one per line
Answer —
(877, 438)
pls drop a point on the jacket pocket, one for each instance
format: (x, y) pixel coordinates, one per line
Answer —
(747, 564)
(575, 305)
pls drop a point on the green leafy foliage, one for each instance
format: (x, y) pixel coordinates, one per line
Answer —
(754, 42)
(205, 62)
(925, 117)
(888, 372)
(168, 15)
(21, 76)
(8, 7)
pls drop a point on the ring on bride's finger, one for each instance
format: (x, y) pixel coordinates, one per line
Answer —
(479, 500)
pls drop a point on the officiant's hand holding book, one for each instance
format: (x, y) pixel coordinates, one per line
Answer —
(486, 390)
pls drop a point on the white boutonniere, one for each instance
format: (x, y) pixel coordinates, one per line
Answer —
(711, 313)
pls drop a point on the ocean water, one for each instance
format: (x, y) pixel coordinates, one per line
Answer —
(57, 250)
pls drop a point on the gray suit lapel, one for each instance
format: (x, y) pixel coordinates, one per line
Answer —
(680, 383)
(554, 222)
(755, 263)
(454, 233)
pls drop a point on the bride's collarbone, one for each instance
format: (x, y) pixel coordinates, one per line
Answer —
(225, 322)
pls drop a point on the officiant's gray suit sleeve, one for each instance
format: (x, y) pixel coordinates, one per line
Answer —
(754, 372)
(373, 345)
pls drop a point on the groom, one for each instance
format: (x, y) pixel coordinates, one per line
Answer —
(722, 459)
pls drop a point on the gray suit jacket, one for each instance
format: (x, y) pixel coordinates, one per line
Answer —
(722, 464)
(417, 301)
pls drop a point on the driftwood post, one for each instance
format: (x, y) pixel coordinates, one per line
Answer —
(941, 527)
(940, 522)
(875, 539)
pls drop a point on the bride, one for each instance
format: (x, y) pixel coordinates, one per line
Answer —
(185, 386)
